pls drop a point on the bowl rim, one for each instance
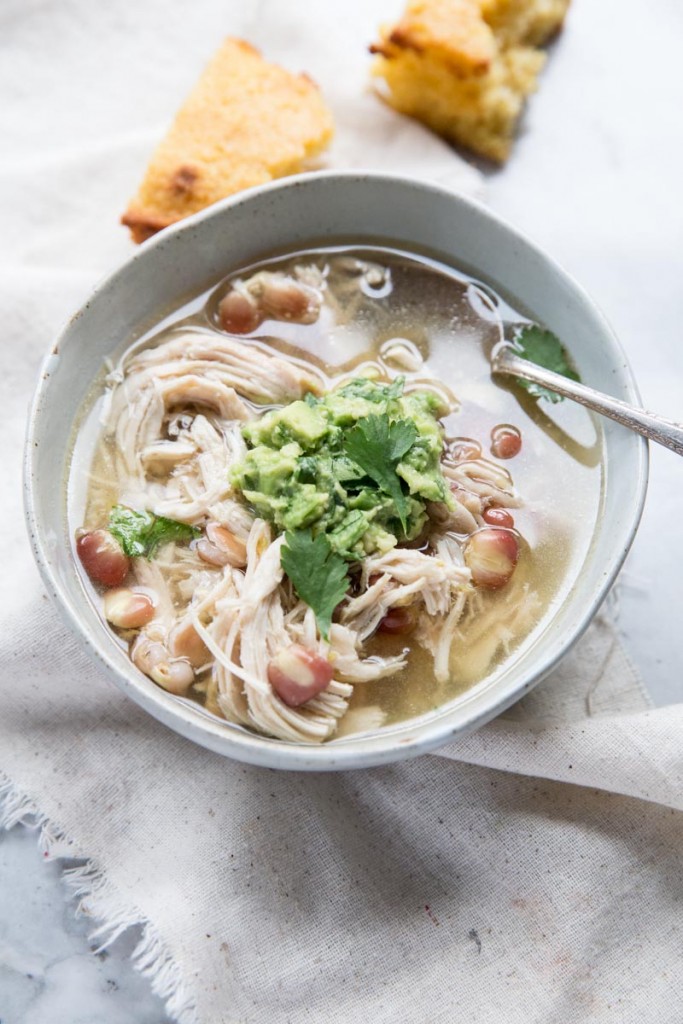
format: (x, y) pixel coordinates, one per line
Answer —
(368, 749)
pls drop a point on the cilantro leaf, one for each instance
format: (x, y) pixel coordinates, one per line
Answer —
(377, 445)
(163, 531)
(317, 573)
(545, 349)
(141, 533)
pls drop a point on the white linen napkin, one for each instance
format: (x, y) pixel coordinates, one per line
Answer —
(529, 872)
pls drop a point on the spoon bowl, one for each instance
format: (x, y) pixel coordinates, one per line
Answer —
(505, 361)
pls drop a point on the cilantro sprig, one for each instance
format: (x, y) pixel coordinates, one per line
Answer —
(317, 573)
(545, 349)
(140, 534)
(377, 444)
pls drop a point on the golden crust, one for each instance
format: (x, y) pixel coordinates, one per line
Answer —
(245, 122)
(455, 32)
(465, 67)
(524, 22)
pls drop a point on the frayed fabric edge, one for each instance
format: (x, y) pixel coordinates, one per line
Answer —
(98, 898)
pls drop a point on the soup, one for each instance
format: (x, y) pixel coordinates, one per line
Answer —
(304, 503)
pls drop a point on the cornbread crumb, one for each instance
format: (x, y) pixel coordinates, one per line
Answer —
(465, 67)
(245, 122)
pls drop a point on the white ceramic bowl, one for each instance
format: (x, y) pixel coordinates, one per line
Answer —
(324, 208)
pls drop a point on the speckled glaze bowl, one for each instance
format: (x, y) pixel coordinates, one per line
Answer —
(320, 209)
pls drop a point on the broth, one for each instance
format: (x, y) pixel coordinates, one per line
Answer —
(392, 312)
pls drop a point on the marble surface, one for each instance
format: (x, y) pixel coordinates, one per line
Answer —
(595, 180)
(48, 975)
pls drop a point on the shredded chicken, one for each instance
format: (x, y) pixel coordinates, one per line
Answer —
(188, 476)
(247, 631)
(253, 372)
(439, 582)
(198, 486)
(491, 632)
(345, 644)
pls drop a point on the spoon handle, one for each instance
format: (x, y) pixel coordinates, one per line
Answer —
(656, 428)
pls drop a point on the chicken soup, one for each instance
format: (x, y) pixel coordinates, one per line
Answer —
(304, 502)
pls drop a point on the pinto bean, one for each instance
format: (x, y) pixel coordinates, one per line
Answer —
(176, 676)
(220, 547)
(152, 657)
(286, 299)
(498, 517)
(210, 553)
(146, 653)
(128, 609)
(397, 621)
(239, 313)
(492, 554)
(298, 674)
(102, 557)
(229, 544)
(506, 441)
(185, 642)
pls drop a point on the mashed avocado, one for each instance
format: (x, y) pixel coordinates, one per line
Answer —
(359, 464)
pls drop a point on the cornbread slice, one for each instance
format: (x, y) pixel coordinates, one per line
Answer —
(465, 67)
(245, 122)
(524, 22)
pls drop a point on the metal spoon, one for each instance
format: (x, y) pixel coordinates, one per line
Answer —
(656, 428)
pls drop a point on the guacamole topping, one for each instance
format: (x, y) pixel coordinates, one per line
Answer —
(358, 464)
